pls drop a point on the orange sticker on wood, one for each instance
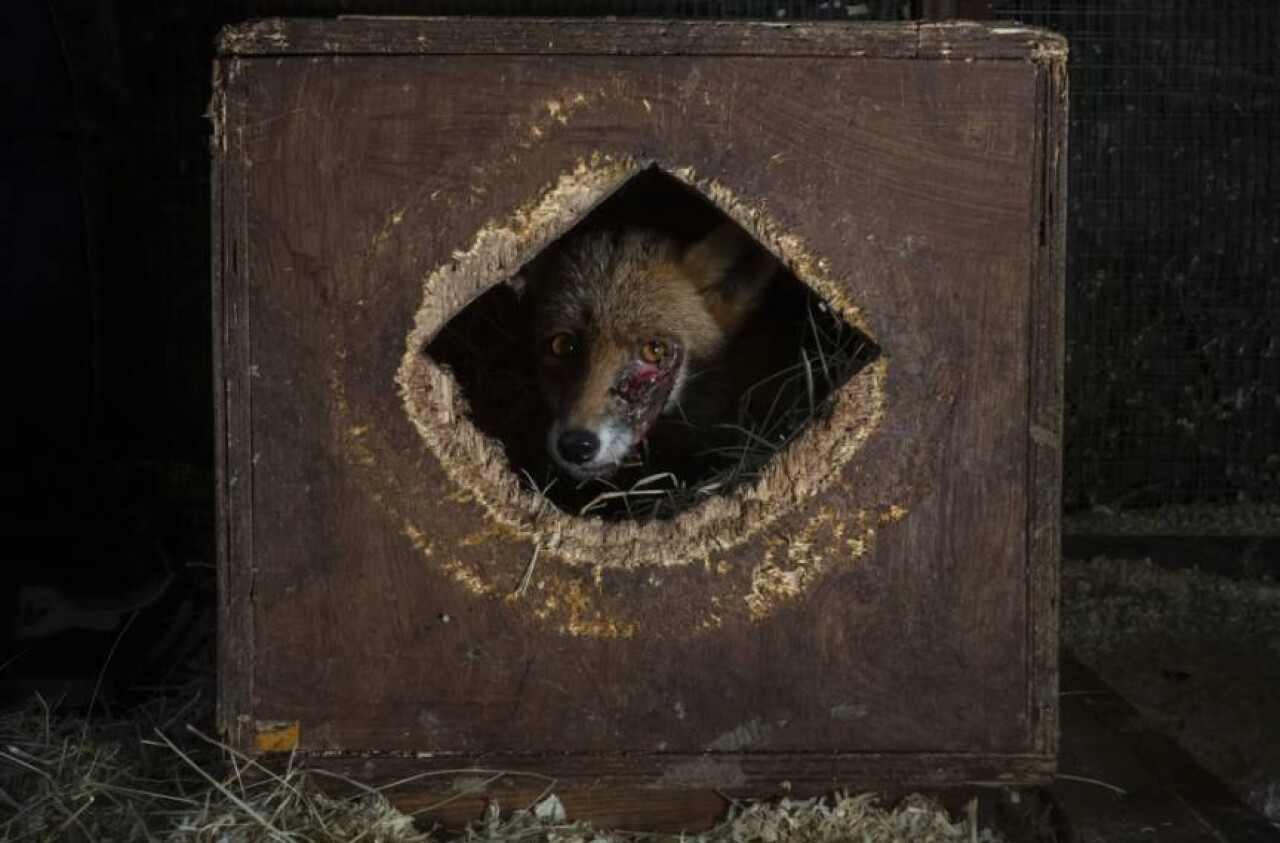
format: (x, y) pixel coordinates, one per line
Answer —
(277, 737)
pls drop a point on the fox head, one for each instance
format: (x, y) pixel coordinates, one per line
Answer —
(621, 319)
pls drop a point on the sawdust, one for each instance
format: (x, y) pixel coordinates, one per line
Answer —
(791, 564)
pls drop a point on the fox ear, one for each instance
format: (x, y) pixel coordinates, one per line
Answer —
(731, 273)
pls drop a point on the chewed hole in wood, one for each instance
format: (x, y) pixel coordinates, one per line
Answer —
(653, 356)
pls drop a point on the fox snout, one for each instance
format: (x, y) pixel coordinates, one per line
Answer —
(605, 407)
(622, 319)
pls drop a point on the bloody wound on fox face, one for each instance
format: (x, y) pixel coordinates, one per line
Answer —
(626, 321)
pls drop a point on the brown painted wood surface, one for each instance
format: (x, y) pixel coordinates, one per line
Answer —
(926, 185)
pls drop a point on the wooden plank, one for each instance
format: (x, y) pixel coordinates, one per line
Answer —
(233, 459)
(1045, 399)
(957, 40)
(1107, 748)
(526, 36)
(668, 812)
(760, 774)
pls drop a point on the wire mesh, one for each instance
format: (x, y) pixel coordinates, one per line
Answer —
(1173, 308)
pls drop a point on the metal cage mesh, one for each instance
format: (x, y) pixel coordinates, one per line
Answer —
(1173, 252)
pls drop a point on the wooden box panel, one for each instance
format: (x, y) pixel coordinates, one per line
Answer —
(884, 613)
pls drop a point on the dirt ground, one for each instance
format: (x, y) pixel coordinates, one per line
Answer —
(1197, 654)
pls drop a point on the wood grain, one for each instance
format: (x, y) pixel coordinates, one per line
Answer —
(1045, 396)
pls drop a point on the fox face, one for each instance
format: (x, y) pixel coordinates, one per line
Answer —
(623, 322)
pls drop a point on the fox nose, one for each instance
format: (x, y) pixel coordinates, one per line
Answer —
(578, 446)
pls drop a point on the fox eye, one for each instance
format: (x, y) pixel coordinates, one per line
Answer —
(563, 344)
(654, 351)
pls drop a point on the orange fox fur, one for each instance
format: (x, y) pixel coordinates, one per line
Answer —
(629, 325)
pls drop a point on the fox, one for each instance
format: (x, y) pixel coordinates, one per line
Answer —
(630, 327)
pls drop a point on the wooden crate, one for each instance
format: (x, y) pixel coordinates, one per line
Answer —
(880, 611)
